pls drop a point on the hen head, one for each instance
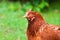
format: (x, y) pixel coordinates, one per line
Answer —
(30, 15)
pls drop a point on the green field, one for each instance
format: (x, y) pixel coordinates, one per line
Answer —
(12, 24)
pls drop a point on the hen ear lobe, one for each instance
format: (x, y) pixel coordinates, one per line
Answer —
(32, 18)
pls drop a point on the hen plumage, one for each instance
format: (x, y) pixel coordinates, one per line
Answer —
(38, 29)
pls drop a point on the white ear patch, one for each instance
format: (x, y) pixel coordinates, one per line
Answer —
(32, 18)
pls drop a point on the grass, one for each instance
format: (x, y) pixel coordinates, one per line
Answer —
(12, 24)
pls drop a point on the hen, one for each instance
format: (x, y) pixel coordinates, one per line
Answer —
(38, 29)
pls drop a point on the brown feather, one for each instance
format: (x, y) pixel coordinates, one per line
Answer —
(38, 29)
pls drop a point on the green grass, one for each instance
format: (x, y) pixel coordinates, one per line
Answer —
(12, 24)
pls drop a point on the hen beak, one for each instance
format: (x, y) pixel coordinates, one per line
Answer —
(25, 16)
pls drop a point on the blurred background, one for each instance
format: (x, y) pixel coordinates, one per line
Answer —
(12, 24)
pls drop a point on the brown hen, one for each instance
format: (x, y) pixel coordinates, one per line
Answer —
(38, 29)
